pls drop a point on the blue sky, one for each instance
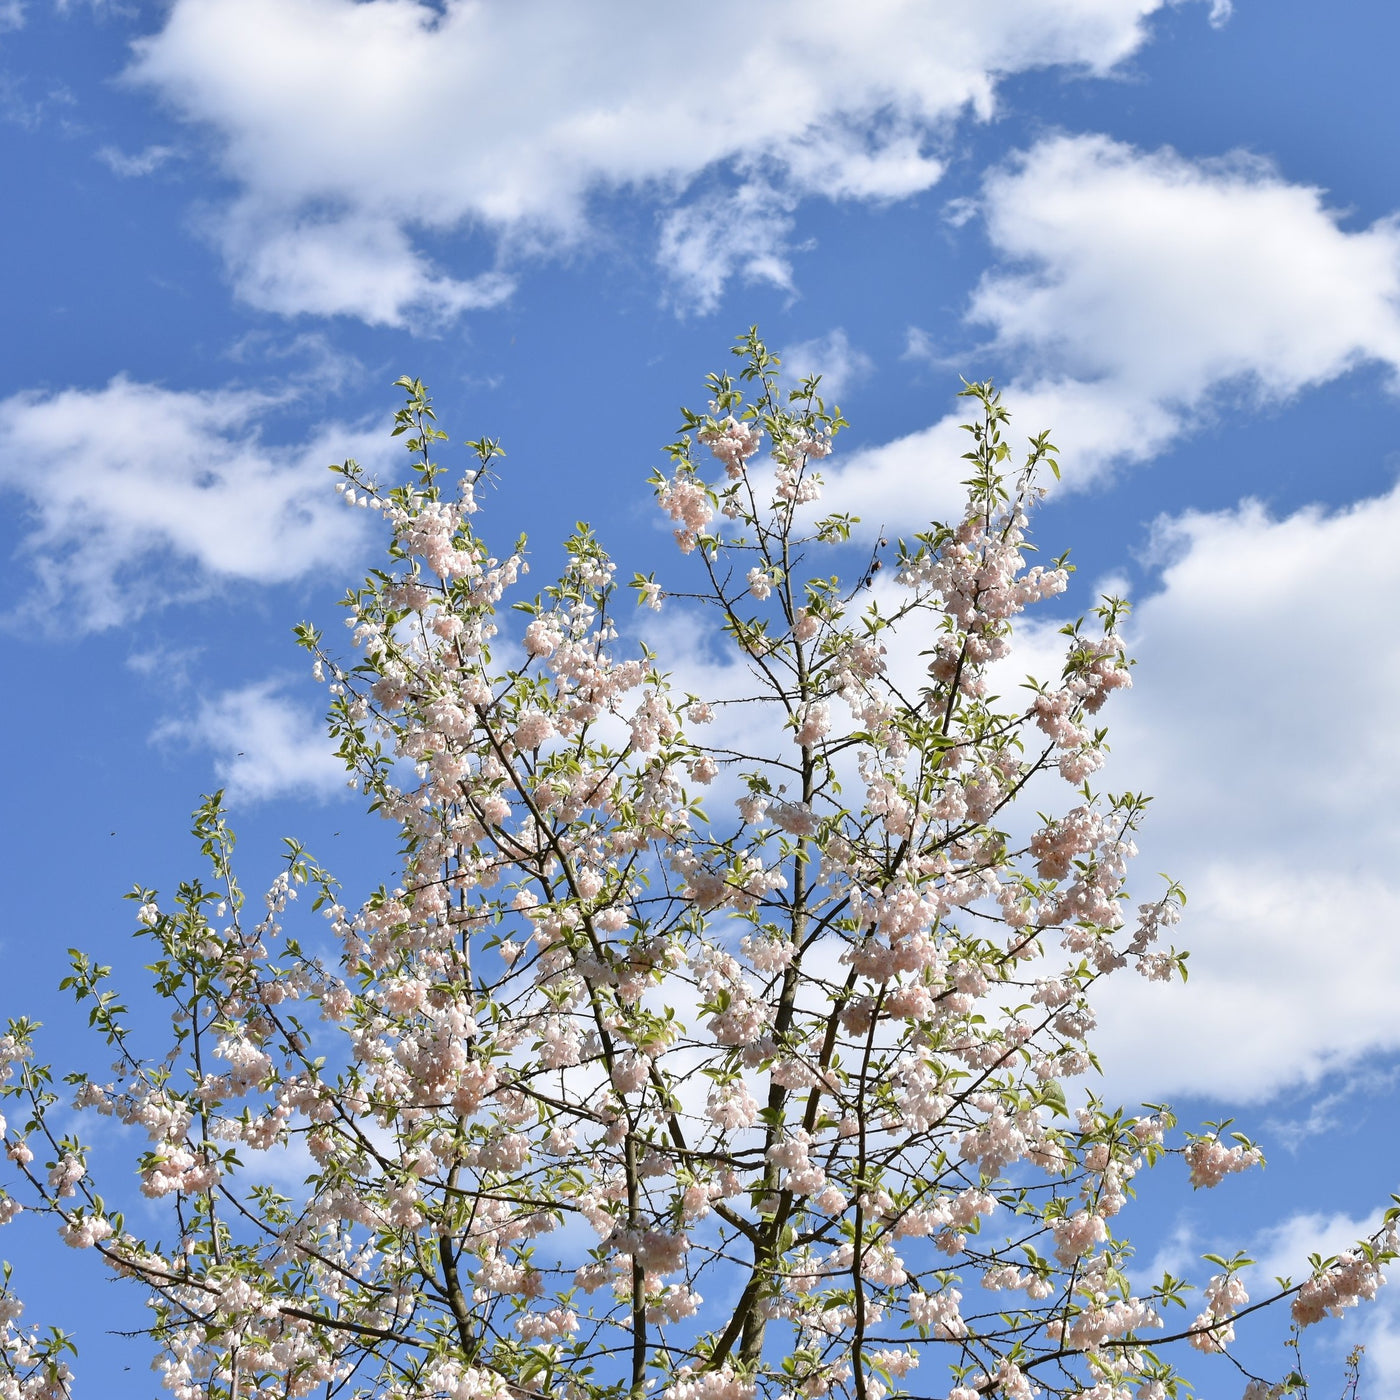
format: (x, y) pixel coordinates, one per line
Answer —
(1171, 230)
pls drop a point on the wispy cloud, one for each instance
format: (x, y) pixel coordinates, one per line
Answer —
(1339, 1104)
(306, 362)
(920, 346)
(743, 231)
(145, 162)
(841, 364)
(264, 743)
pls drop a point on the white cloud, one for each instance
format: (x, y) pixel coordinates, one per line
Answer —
(11, 15)
(508, 118)
(707, 241)
(1135, 292)
(144, 162)
(1166, 277)
(1270, 662)
(308, 362)
(840, 364)
(1262, 722)
(1377, 1326)
(1320, 1114)
(1282, 1250)
(917, 478)
(169, 665)
(358, 266)
(135, 496)
(265, 745)
(920, 346)
(1262, 719)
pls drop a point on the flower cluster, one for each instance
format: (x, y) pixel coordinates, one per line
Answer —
(603, 1049)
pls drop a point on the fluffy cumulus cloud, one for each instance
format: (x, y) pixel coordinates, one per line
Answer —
(1133, 289)
(351, 126)
(1262, 719)
(917, 478)
(133, 495)
(264, 744)
(1166, 277)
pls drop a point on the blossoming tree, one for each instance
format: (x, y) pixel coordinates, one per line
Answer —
(715, 1044)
